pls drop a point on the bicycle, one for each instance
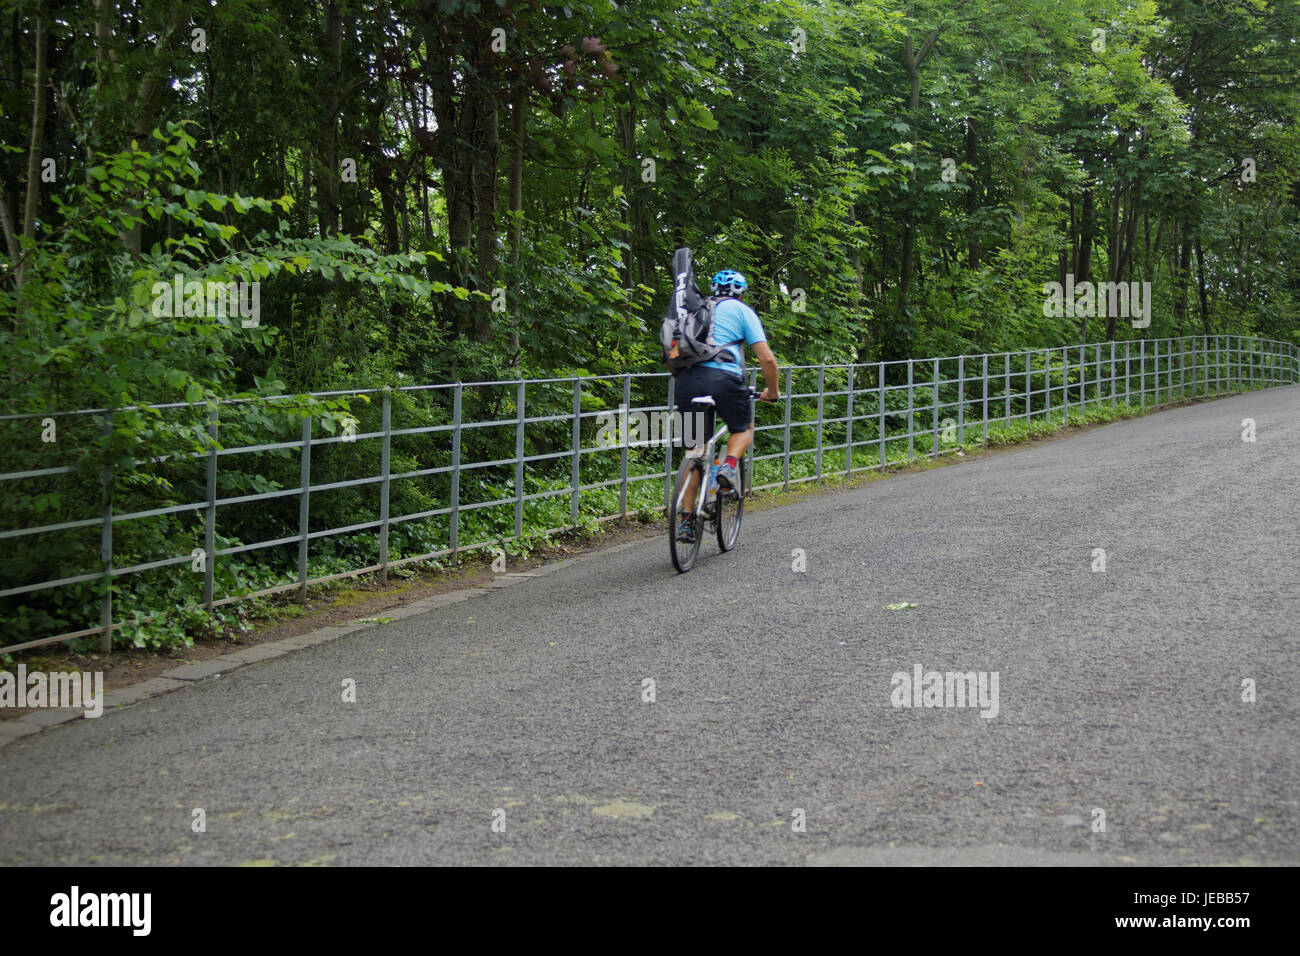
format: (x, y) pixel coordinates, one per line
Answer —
(716, 508)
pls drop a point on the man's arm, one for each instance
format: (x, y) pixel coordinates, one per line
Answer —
(767, 362)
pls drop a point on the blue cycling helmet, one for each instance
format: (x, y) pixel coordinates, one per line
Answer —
(729, 282)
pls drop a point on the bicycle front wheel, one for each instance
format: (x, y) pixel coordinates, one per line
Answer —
(684, 552)
(731, 508)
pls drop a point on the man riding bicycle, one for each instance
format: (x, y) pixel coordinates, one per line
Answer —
(734, 325)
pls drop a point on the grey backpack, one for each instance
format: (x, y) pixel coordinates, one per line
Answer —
(686, 332)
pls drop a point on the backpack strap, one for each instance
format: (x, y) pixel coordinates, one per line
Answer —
(724, 347)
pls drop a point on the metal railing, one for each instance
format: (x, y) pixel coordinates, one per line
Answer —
(833, 419)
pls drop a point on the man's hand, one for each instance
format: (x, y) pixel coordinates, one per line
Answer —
(769, 395)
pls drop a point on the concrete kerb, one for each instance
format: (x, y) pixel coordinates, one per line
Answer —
(188, 674)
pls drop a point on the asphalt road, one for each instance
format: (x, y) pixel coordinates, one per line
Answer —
(1118, 691)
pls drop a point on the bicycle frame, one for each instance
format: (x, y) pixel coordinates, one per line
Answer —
(706, 453)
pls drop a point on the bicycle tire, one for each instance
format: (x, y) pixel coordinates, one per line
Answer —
(684, 554)
(730, 511)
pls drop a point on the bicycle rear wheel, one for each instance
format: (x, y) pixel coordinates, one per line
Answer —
(731, 508)
(683, 553)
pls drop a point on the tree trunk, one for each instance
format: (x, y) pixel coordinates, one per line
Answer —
(1083, 264)
(518, 118)
(1200, 285)
(912, 59)
(148, 96)
(460, 226)
(34, 155)
(972, 200)
(515, 177)
(384, 183)
(328, 188)
(627, 137)
(485, 203)
(1180, 280)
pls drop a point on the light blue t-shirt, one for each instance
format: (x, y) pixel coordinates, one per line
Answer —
(734, 322)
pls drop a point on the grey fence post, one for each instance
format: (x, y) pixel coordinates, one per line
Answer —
(668, 447)
(1203, 372)
(880, 384)
(1029, 386)
(1028, 397)
(1155, 364)
(785, 464)
(911, 404)
(210, 513)
(1195, 365)
(622, 490)
(934, 412)
(961, 401)
(304, 501)
(1205, 354)
(1205, 366)
(453, 524)
(1128, 371)
(821, 398)
(519, 459)
(1047, 367)
(984, 374)
(385, 484)
(1083, 380)
(1142, 372)
(106, 543)
(574, 467)
(1096, 388)
(848, 429)
(1006, 389)
(1065, 383)
(1182, 367)
(1112, 373)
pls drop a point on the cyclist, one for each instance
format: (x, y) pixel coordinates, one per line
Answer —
(734, 325)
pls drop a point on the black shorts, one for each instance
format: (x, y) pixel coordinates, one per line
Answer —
(730, 395)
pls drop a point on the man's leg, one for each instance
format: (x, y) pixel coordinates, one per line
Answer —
(738, 444)
(692, 483)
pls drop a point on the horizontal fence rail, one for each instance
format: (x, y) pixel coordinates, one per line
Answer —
(461, 467)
